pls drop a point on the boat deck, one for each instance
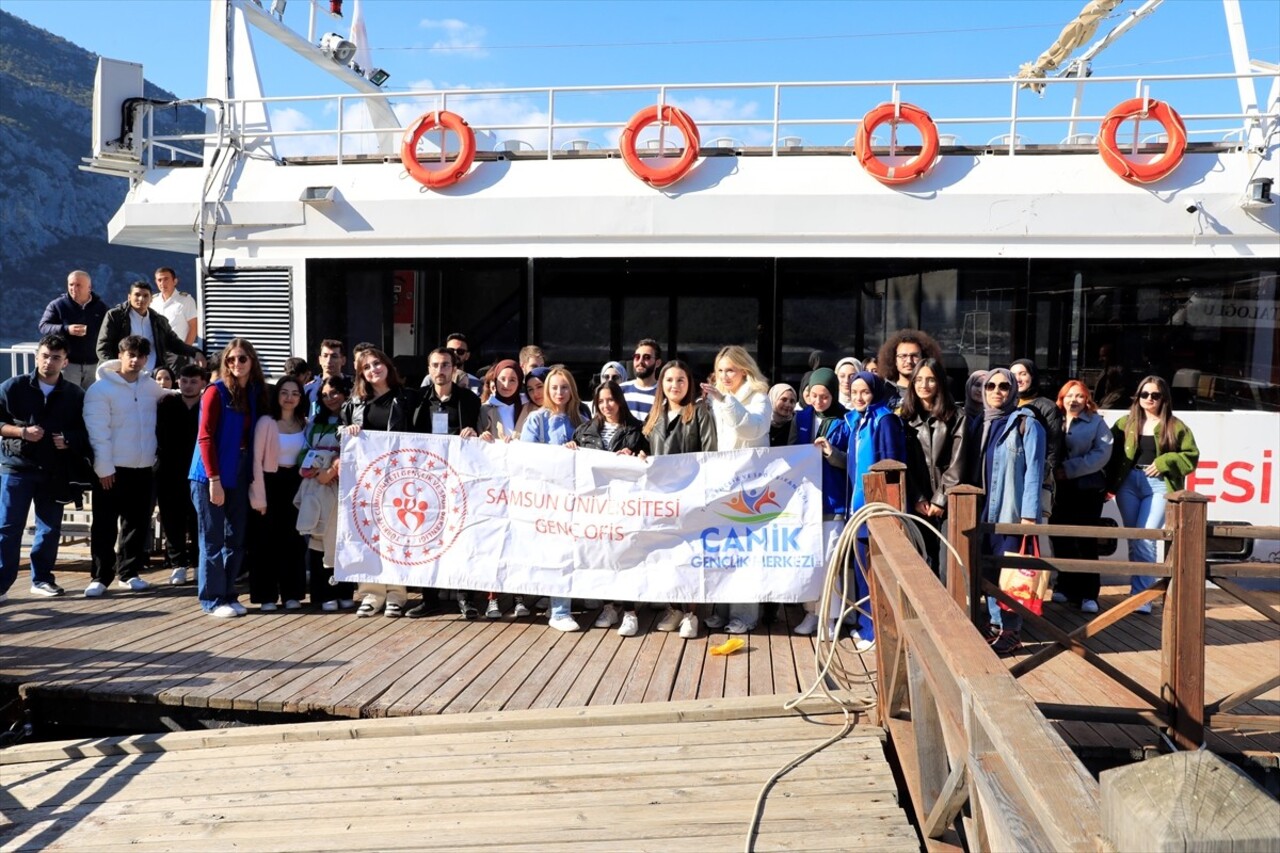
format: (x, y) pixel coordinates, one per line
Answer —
(677, 776)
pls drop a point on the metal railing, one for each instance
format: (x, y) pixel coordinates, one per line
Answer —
(21, 359)
(551, 117)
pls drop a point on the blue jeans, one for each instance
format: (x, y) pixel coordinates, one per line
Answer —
(561, 607)
(1140, 500)
(861, 589)
(222, 536)
(18, 490)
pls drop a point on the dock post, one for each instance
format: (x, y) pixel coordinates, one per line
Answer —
(1182, 645)
(965, 582)
(886, 483)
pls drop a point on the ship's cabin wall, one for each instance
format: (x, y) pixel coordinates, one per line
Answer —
(1208, 326)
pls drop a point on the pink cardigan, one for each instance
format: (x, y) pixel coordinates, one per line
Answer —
(266, 459)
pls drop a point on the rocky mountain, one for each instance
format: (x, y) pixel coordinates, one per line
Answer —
(53, 217)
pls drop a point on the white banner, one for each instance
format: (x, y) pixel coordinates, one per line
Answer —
(440, 511)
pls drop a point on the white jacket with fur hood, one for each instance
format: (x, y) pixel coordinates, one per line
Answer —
(121, 419)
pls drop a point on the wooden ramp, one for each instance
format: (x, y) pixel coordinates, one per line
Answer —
(664, 777)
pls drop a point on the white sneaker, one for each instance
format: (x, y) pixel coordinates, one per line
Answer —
(521, 609)
(670, 620)
(330, 606)
(95, 590)
(689, 626)
(135, 584)
(609, 617)
(860, 645)
(715, 620)
(494, 610)
(808, 625)
(1088, 606)
(178, 577)
(224, 611)
(239, 608)
(565, 623)
(630, 625)
(268, 607)
(291, 604)
(737, 626)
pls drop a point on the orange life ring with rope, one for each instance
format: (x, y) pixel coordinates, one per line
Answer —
(453, 171)
(919, 165)
(660, 176)
(1162, 166)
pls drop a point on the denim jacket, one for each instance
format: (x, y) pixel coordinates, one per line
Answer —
(1016, 470)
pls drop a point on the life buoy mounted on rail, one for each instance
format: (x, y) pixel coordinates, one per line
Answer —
(660, 176)
(1157, 169)
(919, 165)
(453, 171)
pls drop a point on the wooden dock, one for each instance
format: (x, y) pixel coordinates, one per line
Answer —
(663, 777)
(132, 657)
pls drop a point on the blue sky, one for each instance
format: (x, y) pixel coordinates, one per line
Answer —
(508, 44)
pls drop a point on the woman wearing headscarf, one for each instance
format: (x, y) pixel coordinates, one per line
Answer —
(875, 434)
(1082, 490)
(971, 472)
(782, 400)
(533, 388)
(501, 410)
(935, 448)
(822, 425)
(1011, 451)
(1027, 376)
(846, 368)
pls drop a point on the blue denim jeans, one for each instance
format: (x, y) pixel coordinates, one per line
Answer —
(222, 536)
(18, 491)
(561, 607)
(1140, 500)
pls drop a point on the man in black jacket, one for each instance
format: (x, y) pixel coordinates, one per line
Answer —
(447, 408)
(42, 433)
(77, 317)
(134, 317)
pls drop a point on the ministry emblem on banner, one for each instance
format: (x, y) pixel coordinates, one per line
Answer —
(409, 506)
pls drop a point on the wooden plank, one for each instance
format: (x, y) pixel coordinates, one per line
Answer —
(666, 669)
(393, 660)
(415, 683)
(1260, 602)
(486, 679)
(651, 646)
(440, 691)
(308, 651)
(760, 660)
(517, 672)
(688, 680)
(581, 647)
(711, 684)
(1182, 653)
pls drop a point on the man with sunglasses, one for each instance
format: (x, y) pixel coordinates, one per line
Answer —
(456, 343)
(644, 365)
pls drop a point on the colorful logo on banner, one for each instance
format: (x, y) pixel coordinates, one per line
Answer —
(409, 506)
(762, 533)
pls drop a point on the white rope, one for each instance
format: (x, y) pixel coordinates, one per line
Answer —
(825, 647)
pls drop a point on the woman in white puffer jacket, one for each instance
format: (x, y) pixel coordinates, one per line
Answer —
(740, 407)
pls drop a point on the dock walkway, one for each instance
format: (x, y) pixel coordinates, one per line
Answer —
(670, 777)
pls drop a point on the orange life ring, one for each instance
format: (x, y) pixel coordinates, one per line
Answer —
(663, 176)
(453, 171)
(919, 165)
(1162, 166)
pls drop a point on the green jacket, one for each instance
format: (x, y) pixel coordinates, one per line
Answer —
(1174, 465)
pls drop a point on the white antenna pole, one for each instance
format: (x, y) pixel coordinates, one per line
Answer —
(1240, 59)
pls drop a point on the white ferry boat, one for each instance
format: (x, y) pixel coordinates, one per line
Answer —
(825, 216)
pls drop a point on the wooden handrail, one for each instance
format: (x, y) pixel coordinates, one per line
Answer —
(965, 730)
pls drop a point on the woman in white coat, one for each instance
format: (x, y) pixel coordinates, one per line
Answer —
(739, 400)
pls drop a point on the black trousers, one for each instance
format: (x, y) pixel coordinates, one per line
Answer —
(178, 518)
(277, 551)
(124, 512)
(1077, 506)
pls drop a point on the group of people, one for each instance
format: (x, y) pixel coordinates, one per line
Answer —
(246, 472)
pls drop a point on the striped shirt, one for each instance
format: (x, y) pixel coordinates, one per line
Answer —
(639, 400)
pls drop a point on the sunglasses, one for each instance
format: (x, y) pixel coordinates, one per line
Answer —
(238, 359)
(459, 351)
(1151, 395)
(998, 386)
